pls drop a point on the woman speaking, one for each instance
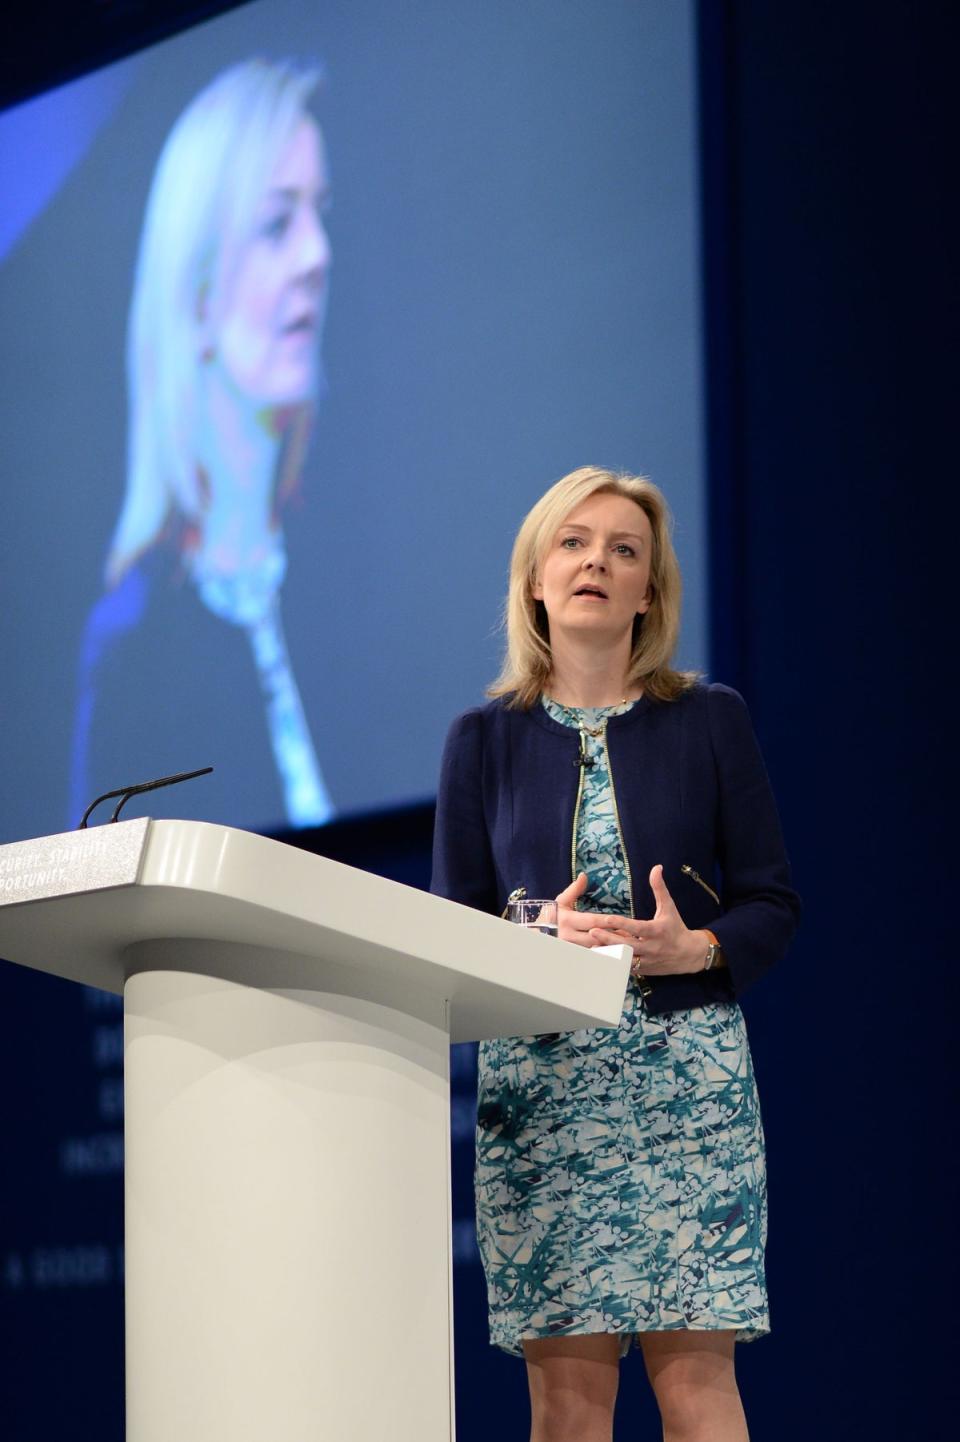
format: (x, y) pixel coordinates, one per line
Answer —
(620, 1180)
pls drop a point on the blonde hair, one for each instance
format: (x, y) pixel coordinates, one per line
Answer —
(528, 661)
(208, 183)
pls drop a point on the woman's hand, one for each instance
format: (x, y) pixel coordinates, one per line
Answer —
(661, 947)
(574, 925)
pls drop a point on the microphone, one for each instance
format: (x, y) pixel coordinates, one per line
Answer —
(125, 792)
(583, 760)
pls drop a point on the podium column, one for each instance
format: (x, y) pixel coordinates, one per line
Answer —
(287, 1211)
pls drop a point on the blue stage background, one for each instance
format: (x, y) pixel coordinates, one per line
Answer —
(830, 296)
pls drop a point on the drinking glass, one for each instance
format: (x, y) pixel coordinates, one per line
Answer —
(534, 915)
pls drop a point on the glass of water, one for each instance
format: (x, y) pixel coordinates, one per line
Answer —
(534, 915)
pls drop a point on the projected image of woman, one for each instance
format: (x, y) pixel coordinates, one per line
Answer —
(620, 1172)
(224, 370)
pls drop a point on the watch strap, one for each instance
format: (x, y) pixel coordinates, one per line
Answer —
(713, 950)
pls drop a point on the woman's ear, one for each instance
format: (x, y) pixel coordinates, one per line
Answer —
(536, 589)
(646, 603)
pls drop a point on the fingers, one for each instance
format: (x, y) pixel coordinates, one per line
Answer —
(574, 891)
(661, 895)
(653, 942)
(609, 933)
(602, 936)
(647, 955)
(573, 925)
(645, 937)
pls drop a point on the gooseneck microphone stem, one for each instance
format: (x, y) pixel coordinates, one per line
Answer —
(125, 792)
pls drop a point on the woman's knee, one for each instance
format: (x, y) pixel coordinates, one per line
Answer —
(573, 1387)
(693, 1379)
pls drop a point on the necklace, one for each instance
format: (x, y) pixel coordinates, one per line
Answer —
(594, 730)
(601, 729)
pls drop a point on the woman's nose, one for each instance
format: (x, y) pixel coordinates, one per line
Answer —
(314, 253)
(595, 559)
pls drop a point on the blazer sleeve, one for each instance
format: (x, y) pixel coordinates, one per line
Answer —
(760, 907)
(463, 867)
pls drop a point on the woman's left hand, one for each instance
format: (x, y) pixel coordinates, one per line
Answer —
(662, 946)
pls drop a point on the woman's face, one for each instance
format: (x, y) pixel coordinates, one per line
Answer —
(269, 334)
(595, 577)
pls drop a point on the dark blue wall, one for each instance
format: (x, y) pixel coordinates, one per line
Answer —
(833, 341)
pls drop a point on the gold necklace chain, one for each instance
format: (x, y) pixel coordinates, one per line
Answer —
(598, 730)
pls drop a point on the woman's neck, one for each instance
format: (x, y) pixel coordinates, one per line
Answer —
(238, 455)
(591, 675)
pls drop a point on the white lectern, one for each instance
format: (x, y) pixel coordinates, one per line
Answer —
(287, 1031)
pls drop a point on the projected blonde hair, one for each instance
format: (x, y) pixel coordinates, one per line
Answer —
(209, 180)
(528, 661)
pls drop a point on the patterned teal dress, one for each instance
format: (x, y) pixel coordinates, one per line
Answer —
(620, 1178)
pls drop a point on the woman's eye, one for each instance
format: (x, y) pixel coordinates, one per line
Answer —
(624, 550)
(569, 542)
(276, 226)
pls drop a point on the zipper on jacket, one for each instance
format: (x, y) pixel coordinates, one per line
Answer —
(616, 817)
(576, 809)
(645, 988)
(695, 876)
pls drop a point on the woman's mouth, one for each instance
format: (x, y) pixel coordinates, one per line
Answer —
(304, 324)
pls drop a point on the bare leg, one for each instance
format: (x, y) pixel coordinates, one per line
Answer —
(573, 1387)
(693, 1379)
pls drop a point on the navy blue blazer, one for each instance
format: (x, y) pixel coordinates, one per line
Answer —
(692, 793)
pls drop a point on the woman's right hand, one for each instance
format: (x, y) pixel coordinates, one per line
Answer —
(574, 925)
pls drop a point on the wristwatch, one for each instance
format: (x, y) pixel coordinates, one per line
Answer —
(713, 955)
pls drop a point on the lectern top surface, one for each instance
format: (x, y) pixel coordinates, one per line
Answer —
(85, 905)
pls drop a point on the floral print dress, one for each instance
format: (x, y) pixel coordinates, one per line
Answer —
(620, 1179)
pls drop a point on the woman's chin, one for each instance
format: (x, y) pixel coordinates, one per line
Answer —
(285, 386)
(597, 626)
